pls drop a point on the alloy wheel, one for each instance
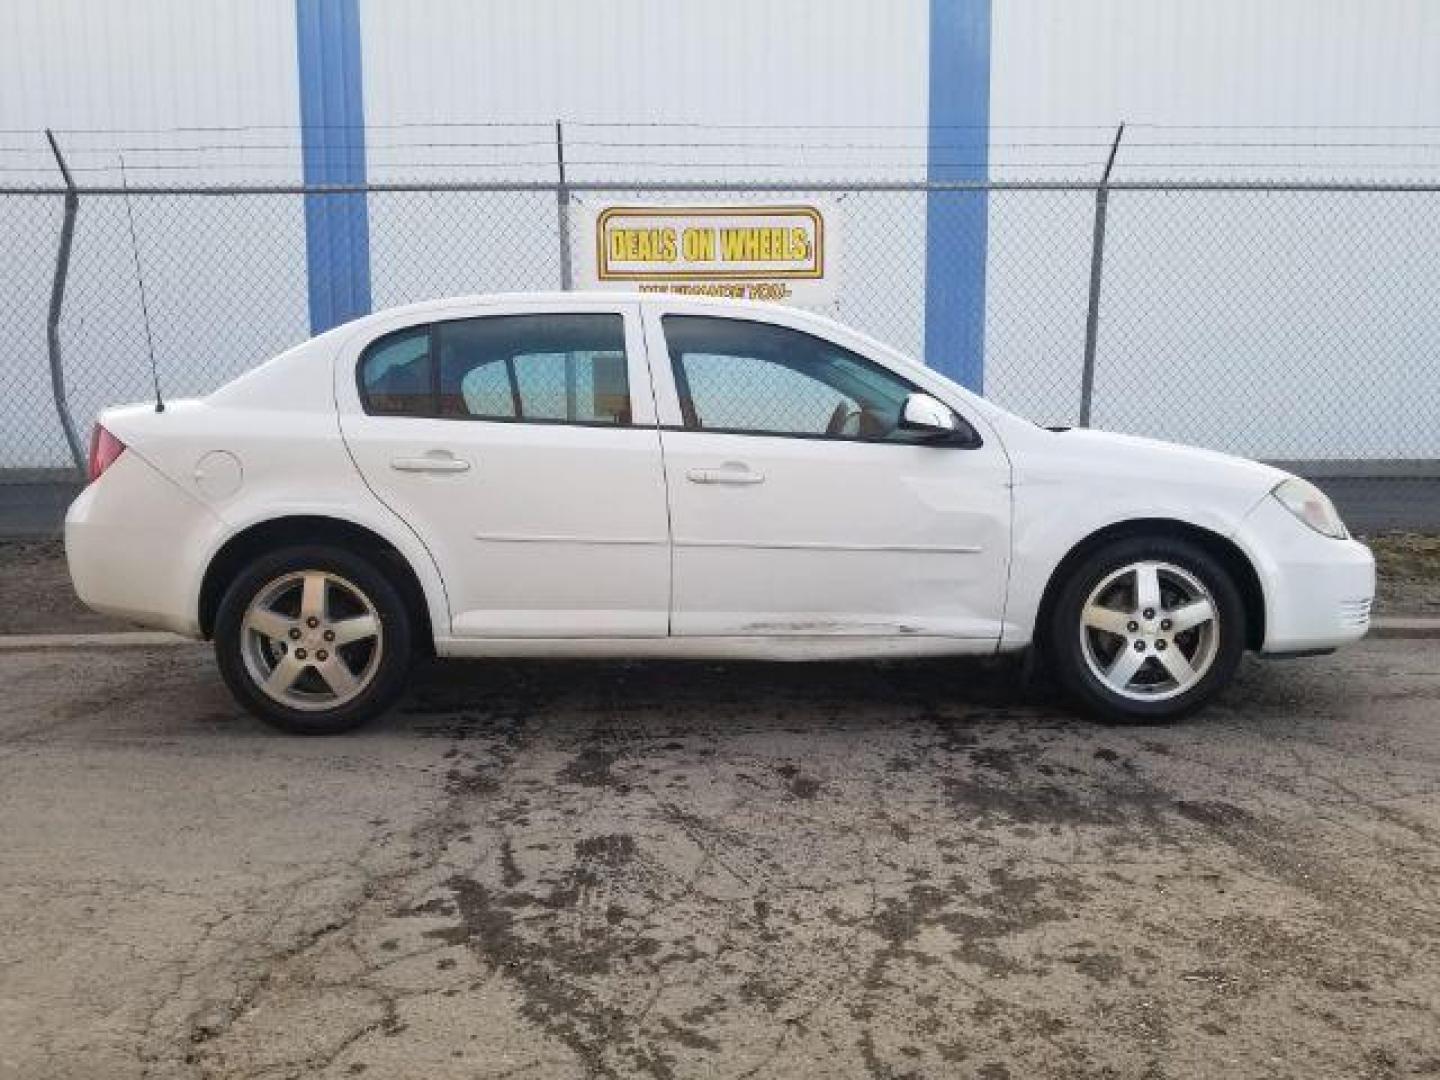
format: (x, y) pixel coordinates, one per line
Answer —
(311, 640)
(1149, 631)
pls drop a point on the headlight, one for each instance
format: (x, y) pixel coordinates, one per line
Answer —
(1311, 505)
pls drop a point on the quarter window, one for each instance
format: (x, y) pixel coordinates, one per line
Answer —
(396, 374)
(734, 375)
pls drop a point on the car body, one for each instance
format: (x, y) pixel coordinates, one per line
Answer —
(604, 474)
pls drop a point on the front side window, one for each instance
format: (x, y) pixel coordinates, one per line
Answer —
(564, 368)
(760, 378)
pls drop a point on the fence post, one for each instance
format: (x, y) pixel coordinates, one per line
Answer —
(562, 208)
(57, 303)
(1097, 269)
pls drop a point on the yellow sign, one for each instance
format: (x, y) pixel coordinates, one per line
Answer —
(758, 252)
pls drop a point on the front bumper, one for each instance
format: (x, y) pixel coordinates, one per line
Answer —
(1318, 591)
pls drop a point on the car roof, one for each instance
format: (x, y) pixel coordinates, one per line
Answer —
(572, 298)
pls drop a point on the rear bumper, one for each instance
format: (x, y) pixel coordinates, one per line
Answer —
(1318, 591)
(131, 540)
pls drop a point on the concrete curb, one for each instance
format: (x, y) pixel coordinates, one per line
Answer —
(124, 639)
(1390, 627)
(1400, 627)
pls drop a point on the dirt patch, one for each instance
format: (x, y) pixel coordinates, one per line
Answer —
(36, 596)
(591, 768)
(1407, 566)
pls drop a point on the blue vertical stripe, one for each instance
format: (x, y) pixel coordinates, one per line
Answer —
(332, 136)
(956, 222)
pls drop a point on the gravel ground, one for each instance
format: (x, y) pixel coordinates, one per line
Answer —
(669, 870)
(36, 597)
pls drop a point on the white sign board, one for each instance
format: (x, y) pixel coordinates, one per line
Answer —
(775, 252)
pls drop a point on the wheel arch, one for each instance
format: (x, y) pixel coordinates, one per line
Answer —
(1224, 550)
(294, 530)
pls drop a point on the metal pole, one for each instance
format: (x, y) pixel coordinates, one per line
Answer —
(1097, 270)
(562, 208)
(57, 304)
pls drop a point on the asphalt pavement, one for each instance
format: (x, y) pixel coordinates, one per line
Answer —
(685, 870)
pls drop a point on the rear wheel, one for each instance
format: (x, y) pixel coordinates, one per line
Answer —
(1147, 629)
(314, 640)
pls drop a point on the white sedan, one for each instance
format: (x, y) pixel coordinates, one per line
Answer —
(645, 476)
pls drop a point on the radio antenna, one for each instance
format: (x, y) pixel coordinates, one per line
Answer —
(140, 278)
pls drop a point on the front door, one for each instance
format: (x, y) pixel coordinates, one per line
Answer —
(799, 507)
(520, 444)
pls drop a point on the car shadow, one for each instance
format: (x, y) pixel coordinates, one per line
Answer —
(453, 699)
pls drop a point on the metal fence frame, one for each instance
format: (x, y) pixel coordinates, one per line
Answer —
(562, 189)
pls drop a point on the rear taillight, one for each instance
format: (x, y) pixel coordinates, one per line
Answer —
(104, 449)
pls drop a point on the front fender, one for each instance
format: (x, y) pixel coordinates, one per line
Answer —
(1054, 517)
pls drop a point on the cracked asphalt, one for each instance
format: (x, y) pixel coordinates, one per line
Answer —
(670, 870)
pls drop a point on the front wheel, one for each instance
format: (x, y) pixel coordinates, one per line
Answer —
(314, 640)
(1147, 629)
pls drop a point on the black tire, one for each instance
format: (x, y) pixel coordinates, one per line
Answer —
(387, 679)
(1066, 652)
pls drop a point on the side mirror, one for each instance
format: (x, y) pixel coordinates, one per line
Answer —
(926, 416)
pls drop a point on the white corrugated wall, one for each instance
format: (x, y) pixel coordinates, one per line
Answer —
(149, 80)
(1285, 325)
(1342, 304)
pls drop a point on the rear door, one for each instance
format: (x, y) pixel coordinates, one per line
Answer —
(798, 507)
(519, 442)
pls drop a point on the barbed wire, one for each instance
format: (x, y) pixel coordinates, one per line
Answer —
(548, 125)
(798, 145)
(722, 148)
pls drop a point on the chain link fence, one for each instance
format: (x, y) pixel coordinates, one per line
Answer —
(1285, 322)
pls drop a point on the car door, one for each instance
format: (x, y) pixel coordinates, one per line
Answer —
(519, 443)
(799, 506)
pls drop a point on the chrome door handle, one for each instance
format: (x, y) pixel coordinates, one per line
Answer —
(430, 463)
(725, 476)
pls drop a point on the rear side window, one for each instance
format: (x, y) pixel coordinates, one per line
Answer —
(543, 368)
(564, 368)
(397, 374)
